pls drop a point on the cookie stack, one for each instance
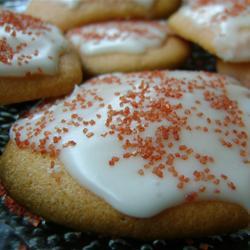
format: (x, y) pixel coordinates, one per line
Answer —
(220, 27)
(145, 154)
(118, 45)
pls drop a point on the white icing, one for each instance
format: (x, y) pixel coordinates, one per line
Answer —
(231, 33)
(69, 3)
(49, 43)
(126, 36)
(121, 185)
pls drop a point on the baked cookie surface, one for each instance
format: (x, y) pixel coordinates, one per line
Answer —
(240, 71)
(220, 27)
(59, 198)
(128, 150)
(36, 61)
(128, 46)
(70, 14)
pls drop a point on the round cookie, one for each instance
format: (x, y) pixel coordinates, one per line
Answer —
(70, 14)
(240, 71)
(221, 27)
(124, 155)
(36, 60)
(128, 46)
(59, 198)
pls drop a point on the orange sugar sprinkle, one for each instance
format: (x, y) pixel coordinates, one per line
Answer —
(189, 151)
(69, 144)
(191, 197)
(113, 161)
(180, 185)
(141, 172)
(243, 153)
(226, 143)
(202, 189)
(231, 185)
(184, 157)
(6, 52)
(224, 177)
(205, 129)
(170, 159)
(127, 155)
(56, 139)
(90, 134)
(74, 116)
(21, 22)
(217, 191)
(217, 130)
(182, 147)
(65, 130)
(206, 170)
(203, 160)
(158, 171)
(14, 22)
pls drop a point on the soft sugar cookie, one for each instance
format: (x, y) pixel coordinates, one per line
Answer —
(240, 71)
(128, 46)
(36, 61)
(69, 14)
(124, 155)
(220, 26)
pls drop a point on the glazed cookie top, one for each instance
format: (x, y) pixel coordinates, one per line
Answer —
(28, 46)
(229, 20)
(75, 3)
(119, 36)
(149, 141)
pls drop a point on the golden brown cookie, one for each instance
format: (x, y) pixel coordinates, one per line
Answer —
(221, 27)
(128, 46)
(80, 12)
(36, 61)
(240, 71)
(59, 198)
(124, 155)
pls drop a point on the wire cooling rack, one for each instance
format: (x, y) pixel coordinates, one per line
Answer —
(17, 232)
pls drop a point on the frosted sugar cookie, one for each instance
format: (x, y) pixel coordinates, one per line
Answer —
(68, 14)
(220, 26)
(128, 46)
(35, 60)
(148, 155)
(240, 71)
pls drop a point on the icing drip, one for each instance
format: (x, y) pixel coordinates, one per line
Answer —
(149, 141)
(28, 45)
(230, 22)
(126, 36)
